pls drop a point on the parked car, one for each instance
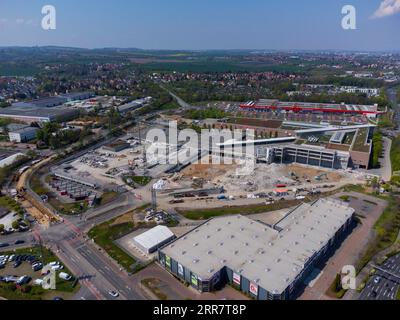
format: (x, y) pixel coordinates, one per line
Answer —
(19, 242)
(65, 276)
(113, 294)
(57, 267)
(37, 267)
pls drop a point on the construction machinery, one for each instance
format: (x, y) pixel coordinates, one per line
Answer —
(321, 176)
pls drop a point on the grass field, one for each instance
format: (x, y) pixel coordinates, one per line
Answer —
(106, 233)
(204, 214)
(386, 228)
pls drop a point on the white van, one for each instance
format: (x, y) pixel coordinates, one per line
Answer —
(64, 276)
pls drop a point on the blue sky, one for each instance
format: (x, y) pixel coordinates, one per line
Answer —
(202, 24)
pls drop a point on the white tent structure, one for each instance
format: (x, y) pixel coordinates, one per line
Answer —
(153, 239)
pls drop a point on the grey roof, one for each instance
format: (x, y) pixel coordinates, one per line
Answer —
(42, 103)
(269, 256)
(25, 130)
(78, 95)
(12, 127)
(46, 113)
(131, 106)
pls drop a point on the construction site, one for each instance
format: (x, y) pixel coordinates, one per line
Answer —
(31, 202)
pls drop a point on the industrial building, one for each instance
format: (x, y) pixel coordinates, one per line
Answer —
(23, 134)
(46, 109)
(39, 115)
(266, 105)
(133, 105)
(305, 154)
(67, 173)
(268, 262)
(7, 159)
(153, 239)
(117, 146)
(55, 101)
(326, 146)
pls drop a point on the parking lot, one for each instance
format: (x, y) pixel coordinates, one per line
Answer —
(22, 275)
(384, 285)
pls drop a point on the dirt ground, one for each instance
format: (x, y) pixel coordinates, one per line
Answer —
(302, 171)
(263, 177)
(207, 171)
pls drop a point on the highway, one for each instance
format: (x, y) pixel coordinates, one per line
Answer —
(384, 285)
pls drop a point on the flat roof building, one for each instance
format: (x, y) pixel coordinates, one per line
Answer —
(23, 134)
(35, 114)
(153, 239)
(267, 262)
(276, 105)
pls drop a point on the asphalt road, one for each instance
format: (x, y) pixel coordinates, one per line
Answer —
(98, 274)
(384, 286)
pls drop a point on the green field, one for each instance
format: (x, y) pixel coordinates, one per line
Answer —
(204, 214)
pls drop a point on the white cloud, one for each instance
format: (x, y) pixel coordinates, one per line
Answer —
(387, 8)
(20, 21)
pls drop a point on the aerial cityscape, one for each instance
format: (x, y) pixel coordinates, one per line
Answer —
(179, 162)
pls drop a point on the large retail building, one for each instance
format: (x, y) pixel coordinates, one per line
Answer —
(268, 262)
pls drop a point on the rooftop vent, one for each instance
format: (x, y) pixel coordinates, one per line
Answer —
(183, 253)
(221, 244)
(211, 271)
(209, 252)
(196, 260)
(195, 244)
(267, 270)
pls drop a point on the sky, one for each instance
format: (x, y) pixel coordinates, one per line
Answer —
(203, 24)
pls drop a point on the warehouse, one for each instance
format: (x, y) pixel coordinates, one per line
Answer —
(153, 239)
(23, 134)
(266, 262)
(37, 114)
